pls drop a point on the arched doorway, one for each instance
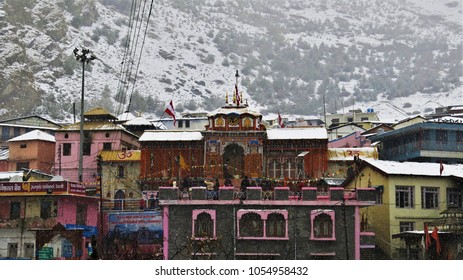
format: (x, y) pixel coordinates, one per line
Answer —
(233, 159)
(119, 197)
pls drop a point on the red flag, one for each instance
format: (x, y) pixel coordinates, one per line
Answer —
(435, 235)
(441, 168)
(280, 121)
(170, 110)
(428, 238)
(237, 95)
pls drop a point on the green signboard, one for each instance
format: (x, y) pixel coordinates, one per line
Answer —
(46, 253)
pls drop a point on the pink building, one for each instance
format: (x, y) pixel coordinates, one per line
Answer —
(46, 220)
(101, 132)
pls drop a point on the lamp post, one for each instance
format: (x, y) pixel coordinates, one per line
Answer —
(84, 56)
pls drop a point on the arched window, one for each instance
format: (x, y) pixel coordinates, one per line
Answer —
(120, 171)
(204, 225)
(251, 225)
(276, 225)
(322, 224)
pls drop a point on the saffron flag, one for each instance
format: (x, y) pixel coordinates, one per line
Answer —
(435, 235)
(183, 164)
(170, 110)
(426, 234)
(441, 169)
(280, 121)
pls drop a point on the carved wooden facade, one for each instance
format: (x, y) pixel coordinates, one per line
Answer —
(234, 144)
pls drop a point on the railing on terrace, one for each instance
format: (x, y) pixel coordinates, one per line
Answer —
(233, 193)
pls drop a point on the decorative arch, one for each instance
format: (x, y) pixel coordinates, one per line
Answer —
(233, 160)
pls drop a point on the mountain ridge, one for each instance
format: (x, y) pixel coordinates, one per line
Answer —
(191, 53)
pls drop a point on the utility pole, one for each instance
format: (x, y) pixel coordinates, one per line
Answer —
(84, 56)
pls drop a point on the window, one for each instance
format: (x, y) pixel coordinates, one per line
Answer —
(66, 135)
(107, 146)
(404, 197)
(5, 133)
(15, 210)
(22, 146)
(120, 171)
(48, 209)
(379, 194)
(204, 224)
(263, 224)
(335, 121)
(81, 214)
(276, 225)
(251, 225)
(429, 197)
(107, 135)
(180, 123)
(66, 149)
(441, 136)
(22, 165)
(29, 250)
(17, 131)
(12, 250)
(406, 226)
(322, 224)
(350, 120)
(364, 118)
(187, 123)
(459, 137)
(86, 149)
(454, 197)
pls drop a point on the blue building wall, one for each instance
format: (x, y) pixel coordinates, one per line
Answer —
(423, 142)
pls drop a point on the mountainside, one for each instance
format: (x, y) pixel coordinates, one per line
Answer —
(289, 54)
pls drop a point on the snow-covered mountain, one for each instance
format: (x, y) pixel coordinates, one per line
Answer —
(363, 53)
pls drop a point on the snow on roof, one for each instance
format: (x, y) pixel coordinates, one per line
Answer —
(297, 133)
(138, 121)
(158, 135)
(416, 168)
(126, 116)
(10, 174)
(234, 110)
(34, 135)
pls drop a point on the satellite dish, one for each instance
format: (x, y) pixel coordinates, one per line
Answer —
(16, 178)
(57, 178)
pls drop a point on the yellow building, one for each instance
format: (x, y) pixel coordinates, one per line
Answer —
(409, 195)
(120, 171)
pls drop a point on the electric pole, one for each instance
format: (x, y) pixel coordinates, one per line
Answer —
(84, 56)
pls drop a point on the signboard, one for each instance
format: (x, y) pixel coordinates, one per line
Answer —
(11, 187)
(139, 232)
(48, 186)
(46, 253)
(76, 188)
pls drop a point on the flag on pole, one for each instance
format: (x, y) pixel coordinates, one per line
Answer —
(435, 235)
(280, 121)
(238, 99)
(426, 234)
(170, 110)
(441, 168)
(183, 164)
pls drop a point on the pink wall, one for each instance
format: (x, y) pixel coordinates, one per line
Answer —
(352, 140)
(69, 165)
